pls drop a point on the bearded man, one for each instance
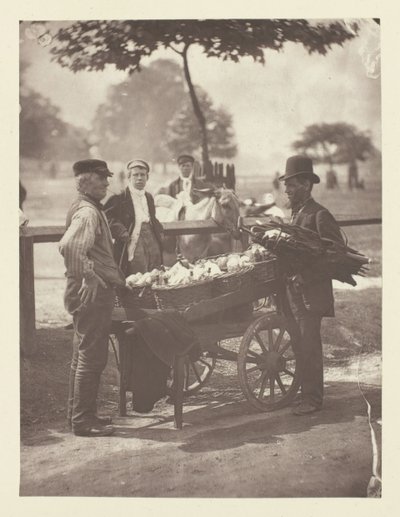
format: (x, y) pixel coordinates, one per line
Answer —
(310, 292)
(92, 275)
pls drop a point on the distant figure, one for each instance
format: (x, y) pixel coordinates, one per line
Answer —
(353, 175)
(331, 179)
(275, 182)
(53, 170)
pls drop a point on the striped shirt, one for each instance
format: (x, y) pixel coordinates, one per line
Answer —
(77, 242)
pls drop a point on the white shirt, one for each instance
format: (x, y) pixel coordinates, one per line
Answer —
(184, 194)
(140, 205)
(141, 208)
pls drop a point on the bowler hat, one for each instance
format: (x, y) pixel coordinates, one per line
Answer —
(183, 158)
(299, 165)
(98, 166)
(138, 163)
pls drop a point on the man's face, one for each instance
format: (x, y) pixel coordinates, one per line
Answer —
(186, 169)
(139, 177)
(97, 186)
(296, 191)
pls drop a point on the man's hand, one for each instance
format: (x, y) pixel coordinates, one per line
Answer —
(88, 290)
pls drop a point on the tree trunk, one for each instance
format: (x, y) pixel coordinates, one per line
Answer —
(196, 108)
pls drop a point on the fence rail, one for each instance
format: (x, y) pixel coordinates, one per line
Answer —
(40, 234)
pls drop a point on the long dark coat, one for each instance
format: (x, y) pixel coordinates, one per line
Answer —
(120, 213)
(318, 290)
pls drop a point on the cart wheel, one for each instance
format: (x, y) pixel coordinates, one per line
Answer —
(267, 364)
(197, 373)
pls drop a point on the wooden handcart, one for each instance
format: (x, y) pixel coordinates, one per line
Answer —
(266, 357)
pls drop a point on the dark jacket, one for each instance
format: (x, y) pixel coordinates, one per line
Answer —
(176, 186)
(173, 188)
(121, 218)
(150, 351)
(318, 292)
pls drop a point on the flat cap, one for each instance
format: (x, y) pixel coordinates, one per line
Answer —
(183, 158)
(138, 163)
(98, 166)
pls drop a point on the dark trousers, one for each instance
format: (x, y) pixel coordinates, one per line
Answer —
(92, 325)
(306, 327)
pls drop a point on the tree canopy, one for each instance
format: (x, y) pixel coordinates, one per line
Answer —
(43, 134)
(335, 143)
(133, 119)
(149, 115)
(92, 45)
(184, 135)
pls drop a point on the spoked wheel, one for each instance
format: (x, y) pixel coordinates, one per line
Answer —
(197, 373)
(267, 365)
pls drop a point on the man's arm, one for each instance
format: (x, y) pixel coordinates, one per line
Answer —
(327, 228)
(152, 211)
(112, 210)
(77, 242)
(75, 246)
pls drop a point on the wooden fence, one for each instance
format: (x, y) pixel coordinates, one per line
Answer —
(39, 234)
(220, 174)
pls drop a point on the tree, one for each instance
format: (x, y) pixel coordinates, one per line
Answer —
(339, 143)
(92, 45)
(39, 123)
(133, 119)
(184, 135)
(43, 134)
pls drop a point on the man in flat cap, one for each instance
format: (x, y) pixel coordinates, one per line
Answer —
(182, 186)
(92, 275)
(310, 293)
(133, 223)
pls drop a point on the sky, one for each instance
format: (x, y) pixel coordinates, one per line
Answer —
(271, 104)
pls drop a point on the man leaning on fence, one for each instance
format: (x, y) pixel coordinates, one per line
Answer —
(91, 274)
(310, 292)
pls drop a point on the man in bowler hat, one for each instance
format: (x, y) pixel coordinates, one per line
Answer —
(92, 275)
(310, 292)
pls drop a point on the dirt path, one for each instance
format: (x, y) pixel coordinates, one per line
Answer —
(224, 450)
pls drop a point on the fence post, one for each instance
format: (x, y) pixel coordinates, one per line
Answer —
(27, 326)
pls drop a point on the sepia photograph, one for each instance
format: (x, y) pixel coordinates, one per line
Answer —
(200, 257)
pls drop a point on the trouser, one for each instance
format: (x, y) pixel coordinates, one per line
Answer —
(306, 325)
(147, 254)
(92, 325)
